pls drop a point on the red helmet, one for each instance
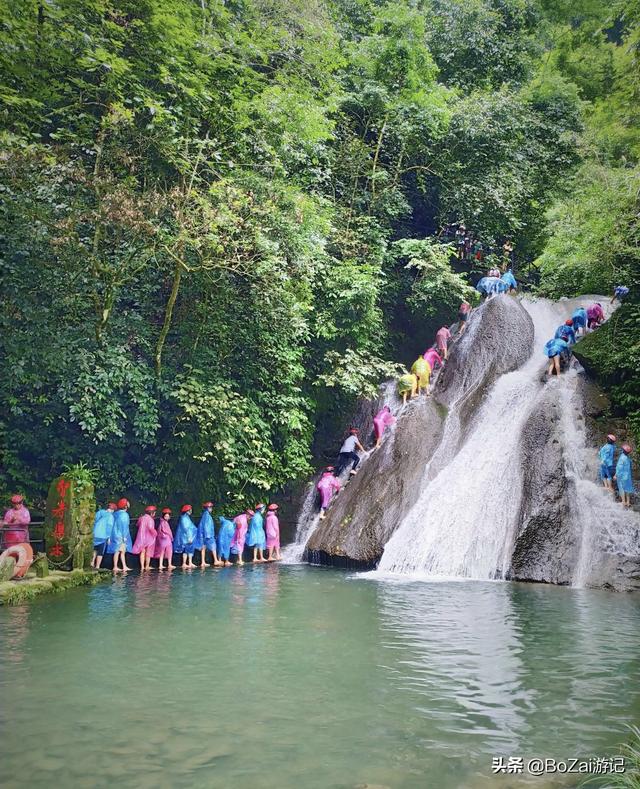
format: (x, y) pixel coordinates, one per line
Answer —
(112, 505)
(626, 448)
(249, 511)
(17, 498)
(354, 431)
(166, 511)
(611, 438)
(150, 508)
(186, 508)
(272, 507)
(330, 468)
(123, 504)
(207, 504)
(569, 322)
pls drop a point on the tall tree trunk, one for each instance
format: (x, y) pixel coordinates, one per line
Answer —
(168, 315)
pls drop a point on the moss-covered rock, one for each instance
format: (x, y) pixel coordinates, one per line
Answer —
(7, 568)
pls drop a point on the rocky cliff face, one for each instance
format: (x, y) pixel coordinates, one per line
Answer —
(369, 509)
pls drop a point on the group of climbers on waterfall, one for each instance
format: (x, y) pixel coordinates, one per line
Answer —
(619, 472)
(496, 282)
(558, 348)
(155, 539)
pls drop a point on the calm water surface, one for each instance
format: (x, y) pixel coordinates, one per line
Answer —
(297, 677)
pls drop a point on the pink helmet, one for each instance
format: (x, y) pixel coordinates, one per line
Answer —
(626, 449)
(611, 438)
(17, 499)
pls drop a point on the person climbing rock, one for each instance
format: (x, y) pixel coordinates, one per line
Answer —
(120, 539)
(327, 486)
(256, 537)
(607, 462)
(619, 292)
(580, 321)
(241, 523)
(565, 332)
(433, 358)
(163, 548)
(509, 280)
(422, 371)
(349, 452)
(225, 538)
(407, 386)
(464, 310)
(17, 518)
(272, 529)
(624, 477)
(102, 528)
(595, 315)
(185, 537)
(554, 349)
(206, 536)
(443, 335)
(146, 537)
(383, 419)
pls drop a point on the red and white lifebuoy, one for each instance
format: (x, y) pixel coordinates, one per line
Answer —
(23, 554)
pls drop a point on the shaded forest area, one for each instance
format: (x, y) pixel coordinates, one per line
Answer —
(220, 220)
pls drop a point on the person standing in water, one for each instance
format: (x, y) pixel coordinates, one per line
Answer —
(326, 487)
(422, 371)
(146, 537)
(225, 538)
(383, 419)
(185, 537)
(273, 533)
(624, 477)
(206, 537)
(240, 533)
(580, 321)
(349, 452)
(566, 332)
(554, 350)
(256, 538)
(120, 540)
(464, 311)
(102, 528)
(607, 462)
(443, 335)
(164, 541)
(18, 519)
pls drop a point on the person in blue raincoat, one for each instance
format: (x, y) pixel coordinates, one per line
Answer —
(620, 292)
(120, 540)
(554, 349)
(624, 477)
(102, 528)
(566, 332)
(607, 455)
(509, 280)
(185, 537)
(579, 318)
(225, 536)
(256, 537)
(205, 537)
(487, 286)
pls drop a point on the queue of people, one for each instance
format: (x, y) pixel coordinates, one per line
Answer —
(559, 348)
(256, 529)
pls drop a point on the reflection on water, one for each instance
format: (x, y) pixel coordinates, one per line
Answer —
(288, 676)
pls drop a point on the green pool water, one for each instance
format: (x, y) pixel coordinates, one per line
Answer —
(288, 676)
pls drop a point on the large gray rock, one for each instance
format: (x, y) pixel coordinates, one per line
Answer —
(366, 513)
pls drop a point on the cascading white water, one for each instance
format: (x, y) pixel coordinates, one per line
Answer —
(463, 523)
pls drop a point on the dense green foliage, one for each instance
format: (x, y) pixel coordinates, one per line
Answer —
(216, 217)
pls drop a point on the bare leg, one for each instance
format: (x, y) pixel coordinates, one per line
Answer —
(98, 562)
(93, 558)
(203, 556)
(261, 555)
(216, 561)
(125, 567)
(255, 555)
(143, 559)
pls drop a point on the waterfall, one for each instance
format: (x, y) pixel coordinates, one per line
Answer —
(463, 523)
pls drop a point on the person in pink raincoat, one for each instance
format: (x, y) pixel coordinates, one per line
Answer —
(145, 542)
(432, 357)
(272, 529)
(327, 485)
(443, 335)
(383, 419)
(242, 524)
(595, 315)
(19, 518)
(163, 548)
